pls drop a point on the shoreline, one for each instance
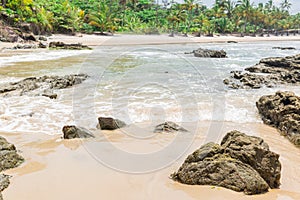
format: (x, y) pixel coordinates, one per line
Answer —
(133, 39)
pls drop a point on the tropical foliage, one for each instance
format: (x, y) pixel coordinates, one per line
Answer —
(147, 16)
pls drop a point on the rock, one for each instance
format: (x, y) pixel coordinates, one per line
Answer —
(241, 163)
(284, 48)
(230, 41)
(108, 123)
(9, 158)
(71, 132)
(4, 182)
(61, 45)
(41, 86)
(42, 45)
(209, 53)
(254, 152)
(25, 46)
(28, 37)
(282, 111)
(169, 127)
(42, 38)
(267, 73)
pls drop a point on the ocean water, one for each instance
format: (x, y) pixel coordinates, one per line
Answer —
(137, 84)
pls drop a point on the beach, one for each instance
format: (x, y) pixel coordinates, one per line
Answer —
(81, 169)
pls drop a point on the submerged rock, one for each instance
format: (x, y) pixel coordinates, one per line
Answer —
(169, 127)
(267, 73)
(241, 163)
(209, 53)
(282, 111)
(71, 132)
(41, 86)
(61, 45)
(108, 123)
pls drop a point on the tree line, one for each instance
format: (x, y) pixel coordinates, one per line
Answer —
(149, 16)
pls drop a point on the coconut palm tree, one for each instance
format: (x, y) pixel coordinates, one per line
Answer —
(245, 10)
(286, 5)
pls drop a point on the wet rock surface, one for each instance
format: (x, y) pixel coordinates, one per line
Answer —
(71, 132)
(267, 73)
(282, 111)
(9, 158)
(209, 53)
(241, 163)
(61, 45)
(169, 127)
(41, 86)
(109, 123)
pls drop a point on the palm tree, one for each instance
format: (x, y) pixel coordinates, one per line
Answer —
(245, 9)
(285, 5)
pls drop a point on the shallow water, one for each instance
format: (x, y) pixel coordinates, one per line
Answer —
(143, 86)
(137, 84)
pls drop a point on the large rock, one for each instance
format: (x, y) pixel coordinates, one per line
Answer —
(282, 111)
(268, 72)
(209, 53)
(169, 127)
(108, 123)
(241, 163)
(71, 132)
(41, 86)
(284, 48)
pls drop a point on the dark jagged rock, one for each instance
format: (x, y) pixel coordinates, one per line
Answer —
(108, 123)
(71, 132)
(267, 73)
(284, 48)
(169, 127)
(41, 86)
(209, 53)
(25, 46)
(61, 45)
(9, 158)
(282, 111)
(231, 41)
(241, 163)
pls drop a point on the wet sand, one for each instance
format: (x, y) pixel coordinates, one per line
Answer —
(67, 169)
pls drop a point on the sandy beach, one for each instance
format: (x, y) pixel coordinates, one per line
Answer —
(57, 169)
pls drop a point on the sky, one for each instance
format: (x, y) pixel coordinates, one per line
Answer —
(294, 9)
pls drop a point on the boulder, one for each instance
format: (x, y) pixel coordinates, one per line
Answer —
(241, 163)
(108, 123)
(61, 45)
(169, 127)
(267, 73)
(209, 53)
(71, 132)
(41, 86)
(282, 111)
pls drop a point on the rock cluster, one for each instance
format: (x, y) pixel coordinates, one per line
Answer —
(209, 53)
(241, 163)
(284, 48)
(268, 72)
(282, 111)
(41, 86)
(9, 158)
(169, 127)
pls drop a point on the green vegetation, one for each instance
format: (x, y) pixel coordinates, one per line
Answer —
(146, 16)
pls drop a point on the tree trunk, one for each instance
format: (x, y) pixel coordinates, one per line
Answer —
(3, 2)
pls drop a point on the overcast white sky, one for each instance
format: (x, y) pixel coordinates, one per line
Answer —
(294, 9)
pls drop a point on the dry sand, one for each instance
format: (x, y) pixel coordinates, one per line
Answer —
(59, 169)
